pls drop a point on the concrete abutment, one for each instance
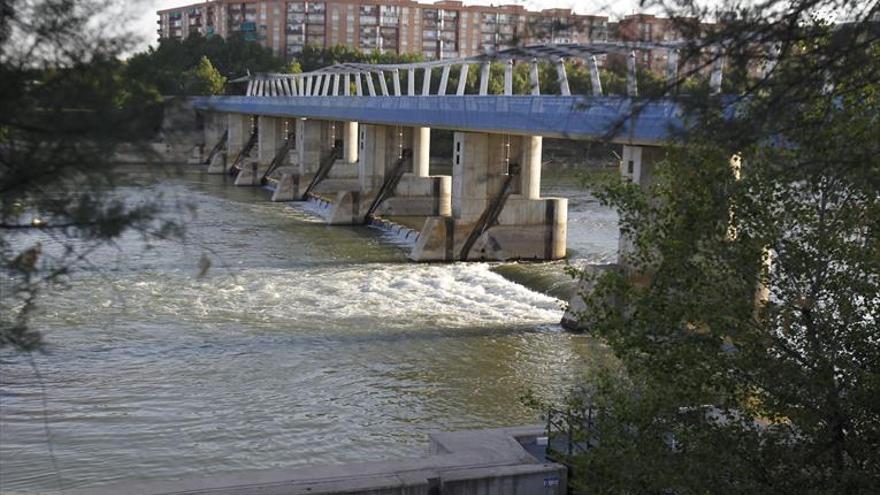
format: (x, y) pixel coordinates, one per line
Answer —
(497, 211)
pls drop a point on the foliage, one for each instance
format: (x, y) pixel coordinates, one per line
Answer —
(313, 57)
(170, 66)
(204, 79)
(745, 311)
(66, 107)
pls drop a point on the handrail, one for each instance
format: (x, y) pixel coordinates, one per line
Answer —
(390, 183)
(489, 216)
(217, 147)
(323, 170)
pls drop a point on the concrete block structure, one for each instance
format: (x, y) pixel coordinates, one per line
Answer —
(239, 128)
(489, 209)
(497, 212)
(315, 141)
(271, 137)
(476, 462)
(392, 170)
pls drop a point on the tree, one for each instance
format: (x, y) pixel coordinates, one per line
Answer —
(204, 79)
(66, 107)
(746, 313)
(169, 67)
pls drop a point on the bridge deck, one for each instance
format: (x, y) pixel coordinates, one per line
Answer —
(570, 117)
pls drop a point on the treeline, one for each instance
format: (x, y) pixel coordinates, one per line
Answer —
(203, 66)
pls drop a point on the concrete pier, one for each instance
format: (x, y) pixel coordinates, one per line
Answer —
(350, 139)
(497, 212)
(239, 127)
(270, 139)
(489, 209)
(421, 151)
(637, 165)
(384, 151)
(476, 462)
(215, 126)
(314, 144)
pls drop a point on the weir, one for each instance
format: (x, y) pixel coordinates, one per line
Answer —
(367, 155)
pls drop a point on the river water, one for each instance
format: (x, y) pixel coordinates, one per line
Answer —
(302, 344)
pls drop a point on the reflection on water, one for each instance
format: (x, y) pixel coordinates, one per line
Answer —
(304, 344)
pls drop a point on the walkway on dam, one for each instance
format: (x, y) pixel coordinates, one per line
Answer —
(621, 120)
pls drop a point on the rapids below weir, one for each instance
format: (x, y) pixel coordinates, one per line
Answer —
(303, 344)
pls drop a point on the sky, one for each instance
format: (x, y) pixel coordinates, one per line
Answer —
(145, 18)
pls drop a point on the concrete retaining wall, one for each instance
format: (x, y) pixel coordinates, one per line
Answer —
(479, 462)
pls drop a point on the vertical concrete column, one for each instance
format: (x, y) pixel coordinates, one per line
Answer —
(637, 165)
(314, 141)
(421, 151)
(479, 164)
(215, 126)
(380, 147)
(351, 144)
(371, 156)
(530, 166)
(271, 139)
(240, 127)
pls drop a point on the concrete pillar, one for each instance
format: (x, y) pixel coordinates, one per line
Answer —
(380, 147)
(421, 151)
(530, 166)
(350, 138)
(271, 139)
(314, 141)
(215, 126)
(240, 128)
(637, 165)
(479, 163)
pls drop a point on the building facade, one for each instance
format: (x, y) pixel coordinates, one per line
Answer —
(445, 29)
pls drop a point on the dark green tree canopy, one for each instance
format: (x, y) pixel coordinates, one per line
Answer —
(166, 67)
(745, 313)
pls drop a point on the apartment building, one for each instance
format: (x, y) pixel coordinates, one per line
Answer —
(444, 29)
(652, 29)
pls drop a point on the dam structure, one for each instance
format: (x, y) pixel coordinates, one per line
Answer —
(356, 138)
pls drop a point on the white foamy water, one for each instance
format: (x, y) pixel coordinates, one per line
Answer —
(303, 344)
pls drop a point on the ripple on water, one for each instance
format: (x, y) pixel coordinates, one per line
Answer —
(302, 345)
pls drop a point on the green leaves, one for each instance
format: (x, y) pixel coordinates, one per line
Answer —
(754, 299)
(177, 67)
(204, 79)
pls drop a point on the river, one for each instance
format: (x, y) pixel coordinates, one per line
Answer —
(302, 344)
